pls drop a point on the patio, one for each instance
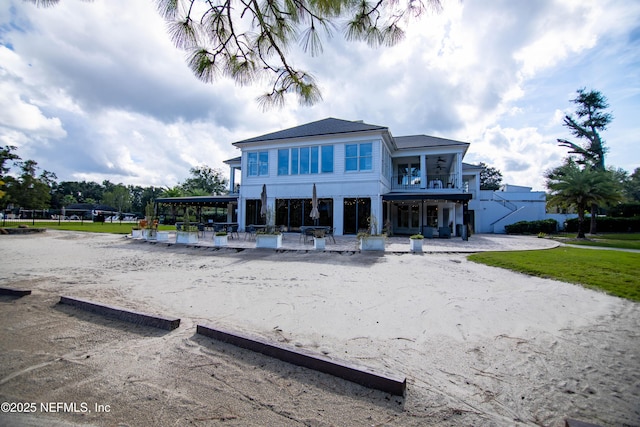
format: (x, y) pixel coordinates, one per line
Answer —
(394, 244)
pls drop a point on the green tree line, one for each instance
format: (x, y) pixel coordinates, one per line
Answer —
(31, 188)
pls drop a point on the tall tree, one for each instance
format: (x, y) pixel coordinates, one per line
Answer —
(118, 197)
(29, 190)
(590, 121)
(205, 181)
(490, 177)
(572, 186)
(7, 159)
(250, 39)
(632, 186)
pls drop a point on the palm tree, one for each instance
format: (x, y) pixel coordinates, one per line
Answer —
(580, 188)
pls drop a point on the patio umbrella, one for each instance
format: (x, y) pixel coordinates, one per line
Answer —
(263, 199)
(315, 213)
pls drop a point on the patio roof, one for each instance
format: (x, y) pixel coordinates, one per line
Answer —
(197, 200)
(459, 197)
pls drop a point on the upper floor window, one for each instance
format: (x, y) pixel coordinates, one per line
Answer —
(327, 159)
(305, 160)
(283, 162)
(258, 163)
(359, 157)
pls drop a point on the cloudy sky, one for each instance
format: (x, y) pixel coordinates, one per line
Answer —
(96, 90)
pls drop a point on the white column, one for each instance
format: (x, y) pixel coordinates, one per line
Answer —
(338, 215)
(232, 178)
(423, 171)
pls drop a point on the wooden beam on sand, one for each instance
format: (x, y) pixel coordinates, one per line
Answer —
(14, 292)
(392, 384)
(123, 314)
(575, 423)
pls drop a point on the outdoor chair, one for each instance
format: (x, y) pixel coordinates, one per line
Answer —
(250, 232)
(444, 232)
(308, 234)
(232, 230)
(329, 233)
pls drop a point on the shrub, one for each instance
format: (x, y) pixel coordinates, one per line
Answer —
(607, 225)
(533, 227)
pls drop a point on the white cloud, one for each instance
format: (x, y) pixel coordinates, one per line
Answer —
(97, 91)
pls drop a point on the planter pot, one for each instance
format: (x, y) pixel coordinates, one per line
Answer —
(162, 236)
(372, 243)
(148, 234)
(187, 237)
(272, 241)
(219, 241)
(415, 245)
(136, 234)
(319, 243)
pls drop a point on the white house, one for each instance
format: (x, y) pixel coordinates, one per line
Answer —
(406, 184)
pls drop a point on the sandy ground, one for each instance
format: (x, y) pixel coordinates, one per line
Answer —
(478, 345)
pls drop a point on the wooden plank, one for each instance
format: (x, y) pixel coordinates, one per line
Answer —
(123, 314)
(14, 292)
(367, 377)
(575, 423)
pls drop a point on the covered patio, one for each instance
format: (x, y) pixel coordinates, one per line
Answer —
(207, 209)
(432, 215)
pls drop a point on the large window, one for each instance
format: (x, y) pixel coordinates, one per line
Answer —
(258, 163)
(327, 159)
(356, 215)
(283, 162)
(305, 160)
(359, 157)
(294, 213)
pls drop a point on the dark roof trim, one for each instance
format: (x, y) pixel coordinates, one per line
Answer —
(462, 197)
(197, 200)
(329, 126)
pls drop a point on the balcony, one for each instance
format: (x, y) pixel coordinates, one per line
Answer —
(436, 183)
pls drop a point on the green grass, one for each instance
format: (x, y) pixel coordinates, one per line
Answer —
(606, 240)
(615, 272)
(88, 226)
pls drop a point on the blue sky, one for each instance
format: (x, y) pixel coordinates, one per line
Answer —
(95, 90)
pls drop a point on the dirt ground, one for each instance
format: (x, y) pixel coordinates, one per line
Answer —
(499, 349)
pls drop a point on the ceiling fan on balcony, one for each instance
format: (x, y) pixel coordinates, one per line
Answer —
(440, 160)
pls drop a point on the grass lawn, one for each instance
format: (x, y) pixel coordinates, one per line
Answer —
(88, 226)
(607, 240)
(615, 272)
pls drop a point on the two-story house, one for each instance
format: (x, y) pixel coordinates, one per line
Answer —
(408, 184)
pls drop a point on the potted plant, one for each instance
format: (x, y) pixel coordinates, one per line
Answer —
(415, 242)
(220, 239)
(136, 231)
(270, 237)
(189, 233)
(371, 240)
(149, 225)
(319, 239)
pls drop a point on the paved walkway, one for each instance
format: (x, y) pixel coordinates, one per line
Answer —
(395, 244)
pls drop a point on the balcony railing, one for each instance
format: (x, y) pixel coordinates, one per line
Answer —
(434, 182)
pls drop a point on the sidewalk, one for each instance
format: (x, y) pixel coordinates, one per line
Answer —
(395, 244)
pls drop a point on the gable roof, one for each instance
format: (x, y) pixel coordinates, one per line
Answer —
(420, 141)
(329, 126)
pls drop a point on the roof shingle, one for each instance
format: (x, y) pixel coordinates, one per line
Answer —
(327, 126)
